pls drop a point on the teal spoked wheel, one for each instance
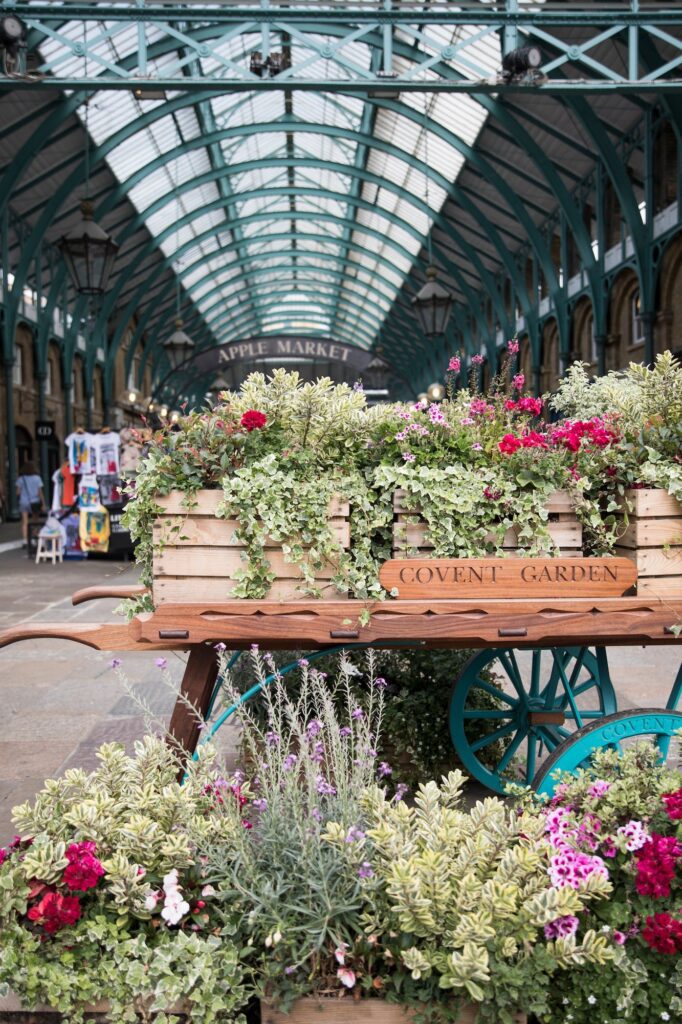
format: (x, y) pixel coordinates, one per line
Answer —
(510, 709)
(617, 732)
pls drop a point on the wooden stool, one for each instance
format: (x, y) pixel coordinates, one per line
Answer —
(50, 548)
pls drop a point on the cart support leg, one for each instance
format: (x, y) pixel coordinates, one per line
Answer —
(196, 690)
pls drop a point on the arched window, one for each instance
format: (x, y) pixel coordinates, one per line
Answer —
(635, 322)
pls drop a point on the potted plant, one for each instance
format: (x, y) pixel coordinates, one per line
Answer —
(364, 908)
(646, 478)
(104, 904)
(625, 809)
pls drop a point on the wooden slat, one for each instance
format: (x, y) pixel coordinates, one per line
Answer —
(402, 553)
(118, 593)
(223, 562)
(660, 586)
(200, 590)
(560, 501)
(652, 533)
(206, 504)
(193, 531)
(100, 636)
(652, 501)
(564, 534)
(654, 561)
(442, 578)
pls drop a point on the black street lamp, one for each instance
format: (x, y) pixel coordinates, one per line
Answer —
(179, 346)
(89, 254)
(433, 305)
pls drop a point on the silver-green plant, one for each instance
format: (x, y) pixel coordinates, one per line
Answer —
(294, 897)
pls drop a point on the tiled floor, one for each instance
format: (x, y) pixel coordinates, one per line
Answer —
(59, 701)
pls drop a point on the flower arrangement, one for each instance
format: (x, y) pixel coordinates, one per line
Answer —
(471, 467)
(621, 817)
(103, 895)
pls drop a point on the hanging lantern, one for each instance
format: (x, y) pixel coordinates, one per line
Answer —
(375, 376)
(89, 254)
(179, 346)
(435, 393)
(432, 305)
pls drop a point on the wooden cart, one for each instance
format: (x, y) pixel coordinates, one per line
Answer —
(558, 704)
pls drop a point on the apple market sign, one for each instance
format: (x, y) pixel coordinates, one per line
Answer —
(318, 350)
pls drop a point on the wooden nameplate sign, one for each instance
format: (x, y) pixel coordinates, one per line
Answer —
(452, 578)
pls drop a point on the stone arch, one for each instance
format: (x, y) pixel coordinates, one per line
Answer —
(625, 341)
(668, 329)
(549, 356)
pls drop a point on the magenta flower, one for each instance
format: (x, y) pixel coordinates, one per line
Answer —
(161, 663)
(477, 360)
(408, 457)
(513, 347)
(454, 365)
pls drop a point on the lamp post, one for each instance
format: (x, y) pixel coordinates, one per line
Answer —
(179, 346)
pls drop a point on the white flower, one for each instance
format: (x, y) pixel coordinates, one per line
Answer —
(151, 901)
(665, 1015)
(592, 1000)
(208, 890)
(277, 937)
(340, 953)
(170, 881)
(173, 912)
(268, 941)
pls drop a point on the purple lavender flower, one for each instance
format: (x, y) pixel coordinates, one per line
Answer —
(289, 762)
(400, 790)
(314, 727)
(220, 647)
(303, 662)
(254, 647)
(290, 970)
(260, 804)
(315, 813)
(380, 683)
(365, 870)
(271, 738)
(324, 788)
(318, 753)
(354, 834)
(384, 770)
(115, 663)
(357, 713)
(345, 730)
(161, 663)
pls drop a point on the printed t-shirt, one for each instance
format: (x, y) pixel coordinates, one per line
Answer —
(81, 452)
(106, 448)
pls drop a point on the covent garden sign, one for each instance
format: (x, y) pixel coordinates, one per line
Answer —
(286, 347)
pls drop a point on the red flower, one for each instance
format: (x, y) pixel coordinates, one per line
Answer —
(531, 405)
(656, 865)
(534, 440)
(510, 404)
(663, 933)
(84, 870)
(55, 911)
(253, 420)
(509, 444)
(673, 804)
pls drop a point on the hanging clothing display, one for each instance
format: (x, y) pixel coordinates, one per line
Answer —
(110, 490)
(131, 448)
(57, 486)
(106, 447)
(94, 529)
(69, 486)
(81, 452)
(88, 491)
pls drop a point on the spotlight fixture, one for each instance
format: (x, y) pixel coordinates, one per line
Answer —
(149, 92)
(522, 64)
(270, 66)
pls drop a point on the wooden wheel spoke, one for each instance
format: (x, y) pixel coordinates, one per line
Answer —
(483, 684)
(511, 750)
(487, 713)
(508, 662)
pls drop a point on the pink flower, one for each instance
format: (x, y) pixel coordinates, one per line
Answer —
(598, 788)
(161, 663)
(84, 869)
(346, 976)
(477, 360)
(513, 347)
(340, 953)
(562, 927)
(635, 833)
(454, 365)
(619, 938)
(408, 457)
(518, 381)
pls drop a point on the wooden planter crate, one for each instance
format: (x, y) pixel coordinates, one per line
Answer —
(653, 541)
(563, 527)
(355, 1011)
(196, 555)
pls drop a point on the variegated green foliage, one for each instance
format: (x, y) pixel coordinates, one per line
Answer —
(468, 892)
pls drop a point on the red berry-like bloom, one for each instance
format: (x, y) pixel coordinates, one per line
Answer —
(55, 911)
(253, 420)
(656, 865)
(673, 805)
(663, 933)
(84, 870)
